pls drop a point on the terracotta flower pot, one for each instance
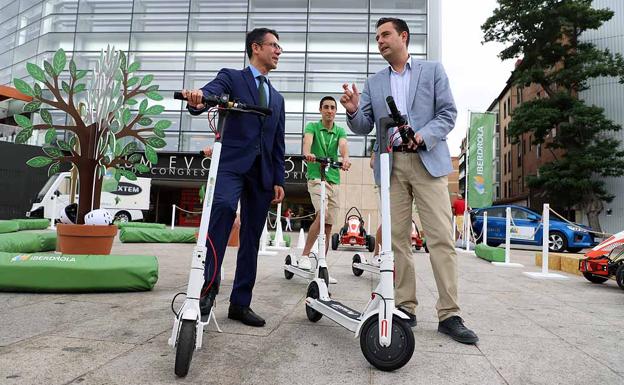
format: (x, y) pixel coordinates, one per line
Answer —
(85, 239)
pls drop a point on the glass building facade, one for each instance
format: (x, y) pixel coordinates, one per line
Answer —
(184, 43)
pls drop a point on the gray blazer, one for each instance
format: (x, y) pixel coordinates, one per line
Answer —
(432, 112)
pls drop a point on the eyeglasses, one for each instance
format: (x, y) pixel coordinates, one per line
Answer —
(274, 45)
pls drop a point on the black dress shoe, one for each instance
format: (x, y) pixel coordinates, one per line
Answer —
(454, 327)
(412, 317)
(206, 302)
(245, 315)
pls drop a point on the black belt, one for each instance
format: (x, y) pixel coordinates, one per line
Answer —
(403, 148)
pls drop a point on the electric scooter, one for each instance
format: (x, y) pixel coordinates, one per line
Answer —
(290, 263)
(386, 339)
(188, 325)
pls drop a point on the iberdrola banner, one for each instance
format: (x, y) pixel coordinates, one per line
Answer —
(480, 155)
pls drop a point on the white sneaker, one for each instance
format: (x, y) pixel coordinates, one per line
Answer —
(332, 280)
(304, 263)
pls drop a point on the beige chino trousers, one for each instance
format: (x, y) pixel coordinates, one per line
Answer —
(410, 181)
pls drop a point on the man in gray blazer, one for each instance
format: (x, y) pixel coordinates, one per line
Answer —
(422, 93)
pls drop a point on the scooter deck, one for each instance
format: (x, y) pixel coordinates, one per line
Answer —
(307, 274)
(337, 312)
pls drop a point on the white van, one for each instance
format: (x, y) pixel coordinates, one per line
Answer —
(123, 200)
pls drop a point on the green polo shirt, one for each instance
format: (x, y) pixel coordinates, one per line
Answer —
(325, 144)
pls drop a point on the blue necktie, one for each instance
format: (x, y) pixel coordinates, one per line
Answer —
(262, 92)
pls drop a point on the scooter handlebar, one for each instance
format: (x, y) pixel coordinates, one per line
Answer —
(406, 132)
(328, 161)
(213, 100)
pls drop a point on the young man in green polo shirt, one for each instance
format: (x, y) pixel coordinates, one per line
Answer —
(323, 139)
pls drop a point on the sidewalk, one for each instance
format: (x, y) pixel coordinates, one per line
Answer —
(531, 332)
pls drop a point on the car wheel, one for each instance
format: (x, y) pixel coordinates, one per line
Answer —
(594, 278)
(122, 216)
(557, 242)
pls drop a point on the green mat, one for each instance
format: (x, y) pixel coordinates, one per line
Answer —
(145, 235)
(32, 224)
(59, 273)
(285, 236)
(8, 227)
(123, 225)
(28, 242)
(489, 253)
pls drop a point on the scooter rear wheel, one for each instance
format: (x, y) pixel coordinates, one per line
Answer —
(288, 274)
(394, 356)
(356, 259)
(185, 347)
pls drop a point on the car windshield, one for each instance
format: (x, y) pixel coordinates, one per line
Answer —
(45, 188)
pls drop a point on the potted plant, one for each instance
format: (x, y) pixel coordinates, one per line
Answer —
(112, 123)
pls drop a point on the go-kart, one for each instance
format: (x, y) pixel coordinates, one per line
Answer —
(353, 233)
(605, 261)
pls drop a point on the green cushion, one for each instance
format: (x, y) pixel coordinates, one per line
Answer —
(28, 242)
(8, 227)
(146, 235)
(59, 273)
(32, 224)
(489, 253)
(145, 225)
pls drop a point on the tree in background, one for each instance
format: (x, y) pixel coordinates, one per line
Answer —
(544, 34)
(108, 125)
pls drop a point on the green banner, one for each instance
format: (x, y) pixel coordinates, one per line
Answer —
(480, 155)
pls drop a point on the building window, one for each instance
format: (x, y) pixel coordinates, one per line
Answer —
(505, 135)
(505, 161)
(539, 150)
(519, 155)
(518, 95)
(504, 110)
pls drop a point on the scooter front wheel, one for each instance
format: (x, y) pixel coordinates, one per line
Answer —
(185, 347)
(391, 357)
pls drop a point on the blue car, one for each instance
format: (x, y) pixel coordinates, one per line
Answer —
(527, 229)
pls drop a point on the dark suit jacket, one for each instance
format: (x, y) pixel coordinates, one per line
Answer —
(247, 135)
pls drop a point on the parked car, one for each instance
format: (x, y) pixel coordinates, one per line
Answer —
(527, 229)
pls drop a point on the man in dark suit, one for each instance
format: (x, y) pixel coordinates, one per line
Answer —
(251, 168)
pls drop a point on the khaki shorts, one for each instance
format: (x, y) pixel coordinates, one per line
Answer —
(459, 223)
(331, 199)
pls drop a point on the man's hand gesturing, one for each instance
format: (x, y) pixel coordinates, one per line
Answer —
(350, 98)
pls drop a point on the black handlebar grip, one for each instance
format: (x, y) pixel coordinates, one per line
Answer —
(251, 107)
(394, 112)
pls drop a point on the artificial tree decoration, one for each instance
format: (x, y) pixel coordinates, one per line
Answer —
(107, 131)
